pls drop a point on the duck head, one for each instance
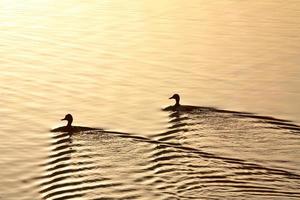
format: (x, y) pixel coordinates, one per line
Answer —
(177, 99)
(68, 118)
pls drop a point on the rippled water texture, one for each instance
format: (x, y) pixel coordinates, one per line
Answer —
(113, 65)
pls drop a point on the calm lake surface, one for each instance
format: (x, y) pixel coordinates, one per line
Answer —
(114, 64)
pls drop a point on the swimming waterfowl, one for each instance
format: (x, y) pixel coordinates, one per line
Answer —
(178, 107)
(71, 129)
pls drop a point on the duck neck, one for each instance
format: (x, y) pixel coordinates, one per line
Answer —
(69, 123)
(177, 102)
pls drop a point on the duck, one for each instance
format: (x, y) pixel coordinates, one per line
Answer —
(70, 128)
(182, 108)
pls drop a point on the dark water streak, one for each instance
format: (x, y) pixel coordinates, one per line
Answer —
(170, 168)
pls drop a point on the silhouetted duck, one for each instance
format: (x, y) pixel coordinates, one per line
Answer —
(70, 128)
(183, 108)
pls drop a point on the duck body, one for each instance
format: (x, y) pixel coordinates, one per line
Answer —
(182, 108)
(72, 129)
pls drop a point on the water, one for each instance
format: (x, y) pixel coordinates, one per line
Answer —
(113, 65)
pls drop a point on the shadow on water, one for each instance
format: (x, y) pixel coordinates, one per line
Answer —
(204, 112)
(66, 170)
(189, 126)
(97, 164)
(60, 169)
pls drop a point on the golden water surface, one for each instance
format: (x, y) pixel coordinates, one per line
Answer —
(114, 63)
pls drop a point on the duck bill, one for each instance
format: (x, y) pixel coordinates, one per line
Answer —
(171, 97)
(63, 119)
